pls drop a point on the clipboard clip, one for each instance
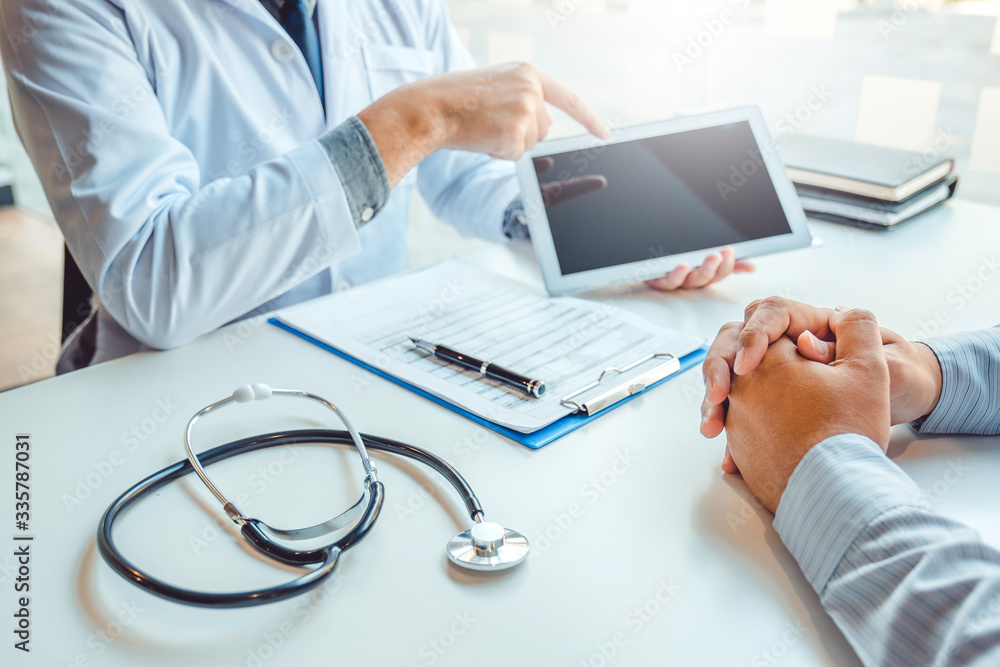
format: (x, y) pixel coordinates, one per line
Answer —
(613, 394)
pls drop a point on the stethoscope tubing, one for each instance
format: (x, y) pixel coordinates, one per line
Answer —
(326, 557)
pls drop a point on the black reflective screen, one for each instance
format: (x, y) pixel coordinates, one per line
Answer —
(649, 198)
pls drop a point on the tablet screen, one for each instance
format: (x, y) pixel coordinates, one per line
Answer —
(639, 200)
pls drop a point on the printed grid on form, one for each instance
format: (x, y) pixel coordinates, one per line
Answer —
(566, 342)
(554, 340)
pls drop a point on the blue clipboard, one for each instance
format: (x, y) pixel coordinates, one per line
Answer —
(535, 440)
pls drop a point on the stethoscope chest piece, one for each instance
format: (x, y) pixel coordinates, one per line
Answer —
(487, 546)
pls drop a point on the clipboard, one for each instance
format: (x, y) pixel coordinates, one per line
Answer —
(615, 395)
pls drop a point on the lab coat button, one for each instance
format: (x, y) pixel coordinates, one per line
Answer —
(367, 214)
(283, 51)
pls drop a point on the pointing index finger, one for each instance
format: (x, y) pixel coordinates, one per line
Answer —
(563, 98)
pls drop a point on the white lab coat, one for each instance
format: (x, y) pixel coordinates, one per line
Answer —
(176, 143)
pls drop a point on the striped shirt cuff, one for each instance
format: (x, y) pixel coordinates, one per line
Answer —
(970, 384)
(359, 165)
(839, 487)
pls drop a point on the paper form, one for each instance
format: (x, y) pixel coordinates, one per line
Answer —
(565, 342)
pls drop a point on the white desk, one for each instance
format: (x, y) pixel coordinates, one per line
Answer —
(652, 516)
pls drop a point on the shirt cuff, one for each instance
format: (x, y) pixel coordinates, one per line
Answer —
(970, 390)
(355, 157)
(515, 224)
(838, 488)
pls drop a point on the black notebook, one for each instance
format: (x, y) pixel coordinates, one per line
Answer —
(876, 215)
(875, 172)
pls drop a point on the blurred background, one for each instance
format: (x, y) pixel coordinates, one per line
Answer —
(922, 76)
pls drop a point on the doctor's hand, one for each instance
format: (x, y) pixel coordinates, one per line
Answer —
(714, 268)
(499, 110)
(788, 404)
(914, 371)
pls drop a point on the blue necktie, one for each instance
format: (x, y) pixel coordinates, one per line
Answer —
(298, 24)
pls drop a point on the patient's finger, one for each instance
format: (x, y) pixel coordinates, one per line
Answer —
(769, 319)
(718, 364)
(728, 464)
(814, 349)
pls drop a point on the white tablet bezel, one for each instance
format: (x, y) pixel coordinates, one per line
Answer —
(541, 234)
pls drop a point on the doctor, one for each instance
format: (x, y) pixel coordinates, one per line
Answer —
(211, 159)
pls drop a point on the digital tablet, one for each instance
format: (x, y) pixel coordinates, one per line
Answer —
(655, 196)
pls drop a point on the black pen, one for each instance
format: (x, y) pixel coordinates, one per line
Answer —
(486, 369)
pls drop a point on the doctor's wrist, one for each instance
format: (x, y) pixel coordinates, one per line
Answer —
(406, 126)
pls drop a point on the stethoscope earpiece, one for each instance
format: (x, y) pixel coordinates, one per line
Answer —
(255, 392)
(488, 547)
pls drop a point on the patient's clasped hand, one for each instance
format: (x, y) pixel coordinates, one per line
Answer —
(792, 375)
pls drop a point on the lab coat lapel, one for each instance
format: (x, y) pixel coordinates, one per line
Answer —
(256, 11)
(344, 75)
(251, 8)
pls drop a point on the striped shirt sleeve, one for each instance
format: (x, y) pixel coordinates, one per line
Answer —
(970, 389)
(904, 585)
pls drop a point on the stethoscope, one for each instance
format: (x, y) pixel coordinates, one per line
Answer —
(486, 546)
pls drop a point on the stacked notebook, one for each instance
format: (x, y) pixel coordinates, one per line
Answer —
(863, 185)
